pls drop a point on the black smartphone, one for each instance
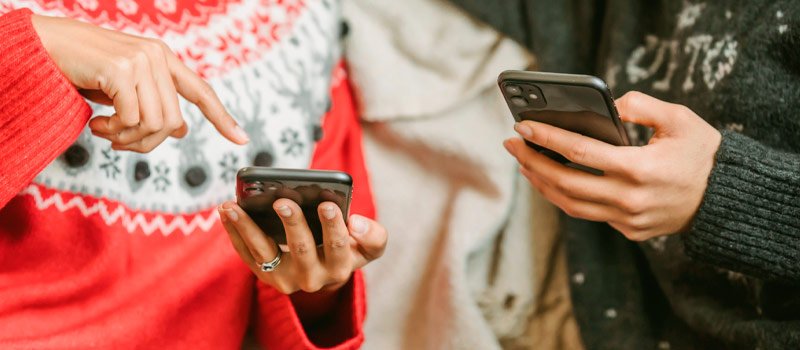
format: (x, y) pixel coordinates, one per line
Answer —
(579, 103)
(257, 188)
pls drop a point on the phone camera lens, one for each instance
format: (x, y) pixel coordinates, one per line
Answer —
(253, 188)
(519, 101)
(513, 90)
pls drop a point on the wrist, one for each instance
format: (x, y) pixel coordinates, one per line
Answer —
(312, 308)
(39, 25)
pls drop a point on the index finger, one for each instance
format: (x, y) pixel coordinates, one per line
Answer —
(198, 92)
(261, 247)
(577, 148)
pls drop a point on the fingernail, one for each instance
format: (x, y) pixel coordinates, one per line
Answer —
(523, 130)
(222, 216)
(359, 225)
(328, 212)
(508, 146)
(240, 133)
(284, 211)
(231, 215)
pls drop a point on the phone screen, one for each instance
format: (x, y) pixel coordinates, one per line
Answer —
(256, 198)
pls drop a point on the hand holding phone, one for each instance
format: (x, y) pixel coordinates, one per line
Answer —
(298, 198)
(578, 103)
(644, 192)
(257, 188)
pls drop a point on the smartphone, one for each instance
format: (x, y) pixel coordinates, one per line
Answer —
(579, 103)
(257, 188)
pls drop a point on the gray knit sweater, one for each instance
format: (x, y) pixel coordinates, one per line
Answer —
(733, 280)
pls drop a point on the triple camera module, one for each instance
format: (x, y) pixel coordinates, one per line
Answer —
(524, 95)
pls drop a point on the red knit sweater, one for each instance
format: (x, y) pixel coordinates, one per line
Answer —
(86, 271)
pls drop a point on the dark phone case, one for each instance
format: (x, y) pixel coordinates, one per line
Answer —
(573, 106)
(257, 188)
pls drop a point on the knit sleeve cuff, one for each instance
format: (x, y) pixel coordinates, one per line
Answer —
(278, 326)
(41, 112)
(749, 220)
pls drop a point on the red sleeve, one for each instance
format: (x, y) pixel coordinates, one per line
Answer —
(277, 325)
(41, 113)
(341, 148)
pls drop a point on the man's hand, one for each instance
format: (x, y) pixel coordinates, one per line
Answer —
(645, 191)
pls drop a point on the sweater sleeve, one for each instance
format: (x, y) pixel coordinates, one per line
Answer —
(41, 112)
(749, 220)
(277, 325)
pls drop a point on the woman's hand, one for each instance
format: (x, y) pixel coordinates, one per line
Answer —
(646, 191)
(306, 267)
(140, 77)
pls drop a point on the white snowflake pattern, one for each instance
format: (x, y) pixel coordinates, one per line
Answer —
(128, 7)
(166, 6)
(657, 243)
(90, 5)
(724, 52)
(689, 15)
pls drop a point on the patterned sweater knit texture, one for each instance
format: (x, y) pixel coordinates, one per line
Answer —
(732, 280)
(108, 249)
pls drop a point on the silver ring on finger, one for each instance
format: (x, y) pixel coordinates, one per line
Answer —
(270, 266)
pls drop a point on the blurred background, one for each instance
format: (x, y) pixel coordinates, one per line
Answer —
(467, 266)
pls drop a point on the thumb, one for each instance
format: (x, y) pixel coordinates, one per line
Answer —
(638, 108)
(370, 236)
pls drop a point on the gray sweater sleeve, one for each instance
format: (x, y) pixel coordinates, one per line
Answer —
(749, 220)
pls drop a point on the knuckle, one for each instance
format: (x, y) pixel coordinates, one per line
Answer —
(635, 235)
(643, 171)
(146, 146)
(684, 112)
(122, 66)
(299, 248)
(123, 138)
(206, 92)
(283, 287)
(377, 253)
(340, 275)
(633, 99)
(568, 209)
(310, 285)
(135, 146)
(563, 185)
(637, 222)
(339, 242)
(528, 162)
(633, 204)
(162, 46)
(152, 125)
(174, 124)
(383, 234)
(152, 47)
(140, 57)
(546, 137)
(577, 151)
